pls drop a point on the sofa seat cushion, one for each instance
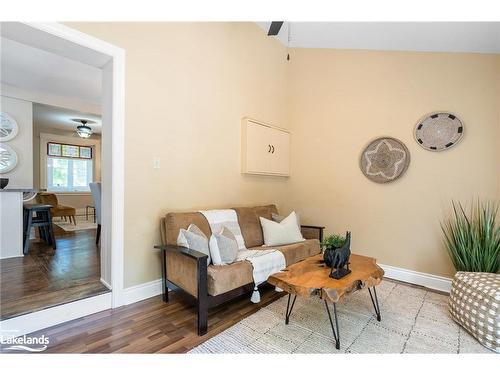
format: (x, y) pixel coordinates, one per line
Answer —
(222, 279)
(296, 252)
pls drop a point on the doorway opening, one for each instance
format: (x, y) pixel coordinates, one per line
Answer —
(66, 163)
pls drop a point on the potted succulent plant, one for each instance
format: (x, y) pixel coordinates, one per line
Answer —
(331, 243)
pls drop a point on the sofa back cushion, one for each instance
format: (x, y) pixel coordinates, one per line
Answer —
(173, 222)
(248, 218)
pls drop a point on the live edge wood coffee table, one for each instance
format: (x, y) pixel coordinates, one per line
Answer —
(311, 277)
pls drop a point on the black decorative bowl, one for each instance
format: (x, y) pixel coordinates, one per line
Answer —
(3, 182)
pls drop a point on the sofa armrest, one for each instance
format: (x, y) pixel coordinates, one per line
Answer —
(312, 232)
(183, 250)
(185, 269)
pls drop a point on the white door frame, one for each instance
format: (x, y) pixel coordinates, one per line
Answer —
(113, 165)
(113, 168)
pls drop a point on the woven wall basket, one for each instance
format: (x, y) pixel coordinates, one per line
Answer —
(439, 131)
(384, 160)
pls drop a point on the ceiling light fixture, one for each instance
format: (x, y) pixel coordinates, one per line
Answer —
(83, 130)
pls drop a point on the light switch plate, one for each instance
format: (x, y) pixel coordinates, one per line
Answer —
(156, 163)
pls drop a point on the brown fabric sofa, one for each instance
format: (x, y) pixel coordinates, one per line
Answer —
(186, 271)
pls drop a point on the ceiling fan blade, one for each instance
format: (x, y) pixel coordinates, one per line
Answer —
(275, 27)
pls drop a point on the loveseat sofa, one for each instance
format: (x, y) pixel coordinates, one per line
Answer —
(186, 270)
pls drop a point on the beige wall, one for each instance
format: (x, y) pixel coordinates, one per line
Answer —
(189, 84)
(339, 100)
(187, 87)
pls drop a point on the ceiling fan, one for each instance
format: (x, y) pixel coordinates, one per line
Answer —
(275, 27)
(274, 30)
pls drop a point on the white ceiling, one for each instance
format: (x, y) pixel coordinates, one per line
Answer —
(48, 117)
(27, 35)
(36, 70)
(482, 37)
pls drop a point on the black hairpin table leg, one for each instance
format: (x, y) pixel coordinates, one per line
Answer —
(289, 308)
(336, 333)
(375, 302)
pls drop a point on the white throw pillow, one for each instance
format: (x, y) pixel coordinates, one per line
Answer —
(193, 238)
(278, 218)
(283, 233)
(223, 247)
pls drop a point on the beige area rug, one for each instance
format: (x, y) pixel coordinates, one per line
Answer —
(81, 224)
(413, 321)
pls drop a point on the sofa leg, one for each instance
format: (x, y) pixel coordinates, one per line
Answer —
(164, 275)
(202, 297)
(202, 317)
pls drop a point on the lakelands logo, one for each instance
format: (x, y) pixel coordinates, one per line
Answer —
(24, 343)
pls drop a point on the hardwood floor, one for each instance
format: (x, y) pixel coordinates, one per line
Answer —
(149, 326)
(47, 277)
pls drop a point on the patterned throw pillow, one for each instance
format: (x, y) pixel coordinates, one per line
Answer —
(223, 247)
(283, 233)
(193, 238)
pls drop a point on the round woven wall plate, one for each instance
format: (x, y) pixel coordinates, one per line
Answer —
(8, 127)
(8, 158)
(439, 131)
(384, 160)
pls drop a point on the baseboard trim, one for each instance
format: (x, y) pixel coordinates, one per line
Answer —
(153, 288)
(105, 283)
(140, 292)
(427, 280)
(38, 320)
(35, 321)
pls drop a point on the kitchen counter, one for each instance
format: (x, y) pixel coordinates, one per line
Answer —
(11, 221)
(19, 190)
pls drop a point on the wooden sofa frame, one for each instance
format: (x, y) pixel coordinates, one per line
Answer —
(204, 301)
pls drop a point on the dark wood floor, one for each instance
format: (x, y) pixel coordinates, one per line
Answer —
(149, 326)
(47, 277)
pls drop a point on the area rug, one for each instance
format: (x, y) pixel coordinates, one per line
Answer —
(81, 224)
(414, 320)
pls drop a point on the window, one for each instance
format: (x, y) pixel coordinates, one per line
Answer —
(69, 167)
(69, 151)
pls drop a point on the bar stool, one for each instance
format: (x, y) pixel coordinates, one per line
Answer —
(42, 220)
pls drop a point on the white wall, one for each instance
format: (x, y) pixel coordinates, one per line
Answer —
(22, 112)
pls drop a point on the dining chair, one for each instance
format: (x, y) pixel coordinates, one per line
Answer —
(95, 188)
(57, 210)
